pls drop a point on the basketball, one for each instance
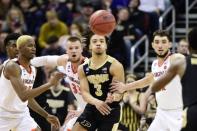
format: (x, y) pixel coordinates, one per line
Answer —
(102, 22)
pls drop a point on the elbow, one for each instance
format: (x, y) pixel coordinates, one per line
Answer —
(24, 97)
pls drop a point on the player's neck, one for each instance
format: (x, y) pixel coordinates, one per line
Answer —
(99, 58)
(75, 65)
(162, 59)
(24, 62)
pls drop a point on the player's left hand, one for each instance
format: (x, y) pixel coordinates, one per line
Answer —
(53, 120)
(110, 98)
(118, 87)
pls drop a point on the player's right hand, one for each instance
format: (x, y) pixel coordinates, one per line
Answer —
(55, 77)
(102, 107)
(118, 87)
(53, 120)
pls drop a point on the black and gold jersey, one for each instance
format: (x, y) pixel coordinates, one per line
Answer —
(189, 82)
(99, 79)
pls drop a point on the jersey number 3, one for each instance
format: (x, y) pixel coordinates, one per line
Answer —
(98, 91)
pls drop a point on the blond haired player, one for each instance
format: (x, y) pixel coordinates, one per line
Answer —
(16, 82)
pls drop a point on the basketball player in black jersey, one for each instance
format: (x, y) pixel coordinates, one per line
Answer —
(186, 68)
(95, 77)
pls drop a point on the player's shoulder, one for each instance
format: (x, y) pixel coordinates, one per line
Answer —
(177, 56)
(114, 63)
(11, 63)
(11, 66)
(113, 60)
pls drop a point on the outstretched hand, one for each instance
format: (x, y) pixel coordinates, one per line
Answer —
(118, 87)
(55, 77)
(53, 120)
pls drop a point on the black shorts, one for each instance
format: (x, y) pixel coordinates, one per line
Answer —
(191, 119)
(92, 119)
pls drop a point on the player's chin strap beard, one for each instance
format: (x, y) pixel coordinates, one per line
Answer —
(164, 55)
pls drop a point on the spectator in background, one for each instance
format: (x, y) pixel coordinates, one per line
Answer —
(63, 13)
(14, 21)
(118, 4)
(75, 29)
(106, 5)
(3, 55)
(33, 16)
(53, 27)
(53, 48)
(129, 32)
(117, 48)
(5, 6)
(134, 13)
(130, 119)
(183, 47)
(150, 11)
(86, 11)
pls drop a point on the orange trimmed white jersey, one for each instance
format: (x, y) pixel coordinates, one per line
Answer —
(170, 97)
(74, 83)
(11, 105)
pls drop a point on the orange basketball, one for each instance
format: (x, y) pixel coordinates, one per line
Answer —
(102, 22)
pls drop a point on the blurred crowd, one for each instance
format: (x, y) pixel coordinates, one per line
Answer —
(51, 22)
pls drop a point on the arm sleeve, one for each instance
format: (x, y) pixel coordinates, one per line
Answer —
(44, 61)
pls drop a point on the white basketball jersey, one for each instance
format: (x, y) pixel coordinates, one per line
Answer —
(74, 83)
(170, 97)
(11, 105)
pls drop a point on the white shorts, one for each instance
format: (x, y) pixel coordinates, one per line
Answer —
(25, 123)
(167, 120)
(69, 125)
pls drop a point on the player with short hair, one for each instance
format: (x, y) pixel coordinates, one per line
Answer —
(186, 69)
(103, 110)
(169, 99)
(17, 78)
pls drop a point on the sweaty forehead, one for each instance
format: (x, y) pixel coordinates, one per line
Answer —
(73, 44)
(160, 38)
(97, 37)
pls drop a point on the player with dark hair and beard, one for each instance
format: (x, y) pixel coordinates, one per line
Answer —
(169, 98)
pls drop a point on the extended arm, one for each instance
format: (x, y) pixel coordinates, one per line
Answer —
(50, 60)
(50, 118)
(36, 108)
(121, 87)
(177, 67)
(12, 72)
